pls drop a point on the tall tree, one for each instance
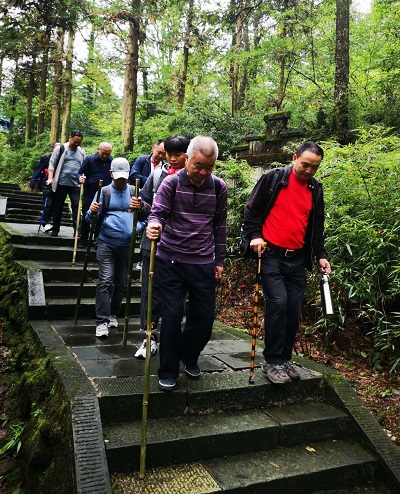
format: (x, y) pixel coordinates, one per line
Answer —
(342, 63)
(185, 61)
(57, 86)
(129, 99)
(67, 100)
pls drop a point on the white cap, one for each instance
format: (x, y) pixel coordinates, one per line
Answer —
(120, 168)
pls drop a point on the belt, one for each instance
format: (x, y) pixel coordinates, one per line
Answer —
(282, 251)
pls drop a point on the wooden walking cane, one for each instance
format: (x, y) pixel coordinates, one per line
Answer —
(143, 444)
(92, 227)
(130, 266)
(78, 218)
(255, 319)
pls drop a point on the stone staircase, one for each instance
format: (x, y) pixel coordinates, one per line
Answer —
(216, 434)
(18, 206)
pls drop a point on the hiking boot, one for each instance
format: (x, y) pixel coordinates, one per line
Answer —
(193, 371)
(102, 330)
(167, 383)
(291, 371)
(276, 373)
(113, 322)
(141, 353)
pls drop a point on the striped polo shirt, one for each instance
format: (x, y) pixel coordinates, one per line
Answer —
(193, 220)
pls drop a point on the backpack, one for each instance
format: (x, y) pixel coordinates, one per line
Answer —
(217, 184)
(107, 196)
(244, 246)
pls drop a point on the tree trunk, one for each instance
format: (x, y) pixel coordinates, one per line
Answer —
(43, 83)
(66, 118)
(29, 99)
(342, 62)
(57, 88)
(130, 84)
(185, 62)
(1, 72)
(243, 78)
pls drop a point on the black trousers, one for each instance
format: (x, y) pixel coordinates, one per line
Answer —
(284, 282)
(59, 197)
(156, 302)
(176, 281)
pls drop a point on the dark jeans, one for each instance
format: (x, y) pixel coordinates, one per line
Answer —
(156, 302)
(59, 197)
(284, 282)
(111, 284)
(47, 205)
(175, 281)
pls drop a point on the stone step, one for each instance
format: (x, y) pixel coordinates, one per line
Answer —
(64, 308)
(8, 187)
(121, 400)
(377, 488)
(52, 253)
(62, 290)
(191, 438)
(301, 469)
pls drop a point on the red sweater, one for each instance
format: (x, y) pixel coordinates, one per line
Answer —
(287, 221)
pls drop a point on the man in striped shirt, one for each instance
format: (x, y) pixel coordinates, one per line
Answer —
(188, 215)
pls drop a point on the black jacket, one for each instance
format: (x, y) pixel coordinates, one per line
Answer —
(262, 199)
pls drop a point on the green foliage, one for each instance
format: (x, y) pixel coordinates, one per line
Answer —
(15, 443)
(236, 174)
(361, 185)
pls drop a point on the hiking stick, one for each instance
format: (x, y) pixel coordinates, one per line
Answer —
(130, 266)
(255, 320)
(78, 218)
(92, 227)
(143, 444)
(42, 215)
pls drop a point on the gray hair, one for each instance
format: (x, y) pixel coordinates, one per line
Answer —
(205, 145)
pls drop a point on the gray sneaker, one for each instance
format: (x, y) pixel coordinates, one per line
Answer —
(275, 373)
(291, 371)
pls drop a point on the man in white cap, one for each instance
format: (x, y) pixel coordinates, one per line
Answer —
(114, 210)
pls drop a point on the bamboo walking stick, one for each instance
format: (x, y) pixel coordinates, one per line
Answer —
(255, 320)
(91, 231)
(143, 444)
(78, 219)
(130, 266)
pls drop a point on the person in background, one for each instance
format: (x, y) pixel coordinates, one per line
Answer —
(39, 178)
(175, 147)
(145, 164)
(94, 168)
(188, 215)
(113, 245)
(64, 164)
(288, 233)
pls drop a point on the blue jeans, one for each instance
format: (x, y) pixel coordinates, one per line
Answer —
(111, 284)
(175, 281)
(284, 283)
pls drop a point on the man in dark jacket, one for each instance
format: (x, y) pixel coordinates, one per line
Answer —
(38, 179)
(145, 164)
(285, 226)
(94, 168)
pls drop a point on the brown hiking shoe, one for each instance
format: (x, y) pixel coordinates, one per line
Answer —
(275, 373)
(291, 371)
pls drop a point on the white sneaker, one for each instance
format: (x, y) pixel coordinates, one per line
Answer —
(139, 265)
(113, 322)
(141, 353)
(47, 227)
(102, 330)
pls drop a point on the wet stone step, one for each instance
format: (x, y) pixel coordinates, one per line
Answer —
(176, 440)
(301, 469)
(220, 388)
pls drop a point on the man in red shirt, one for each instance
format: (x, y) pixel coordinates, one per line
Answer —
(284, 221)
